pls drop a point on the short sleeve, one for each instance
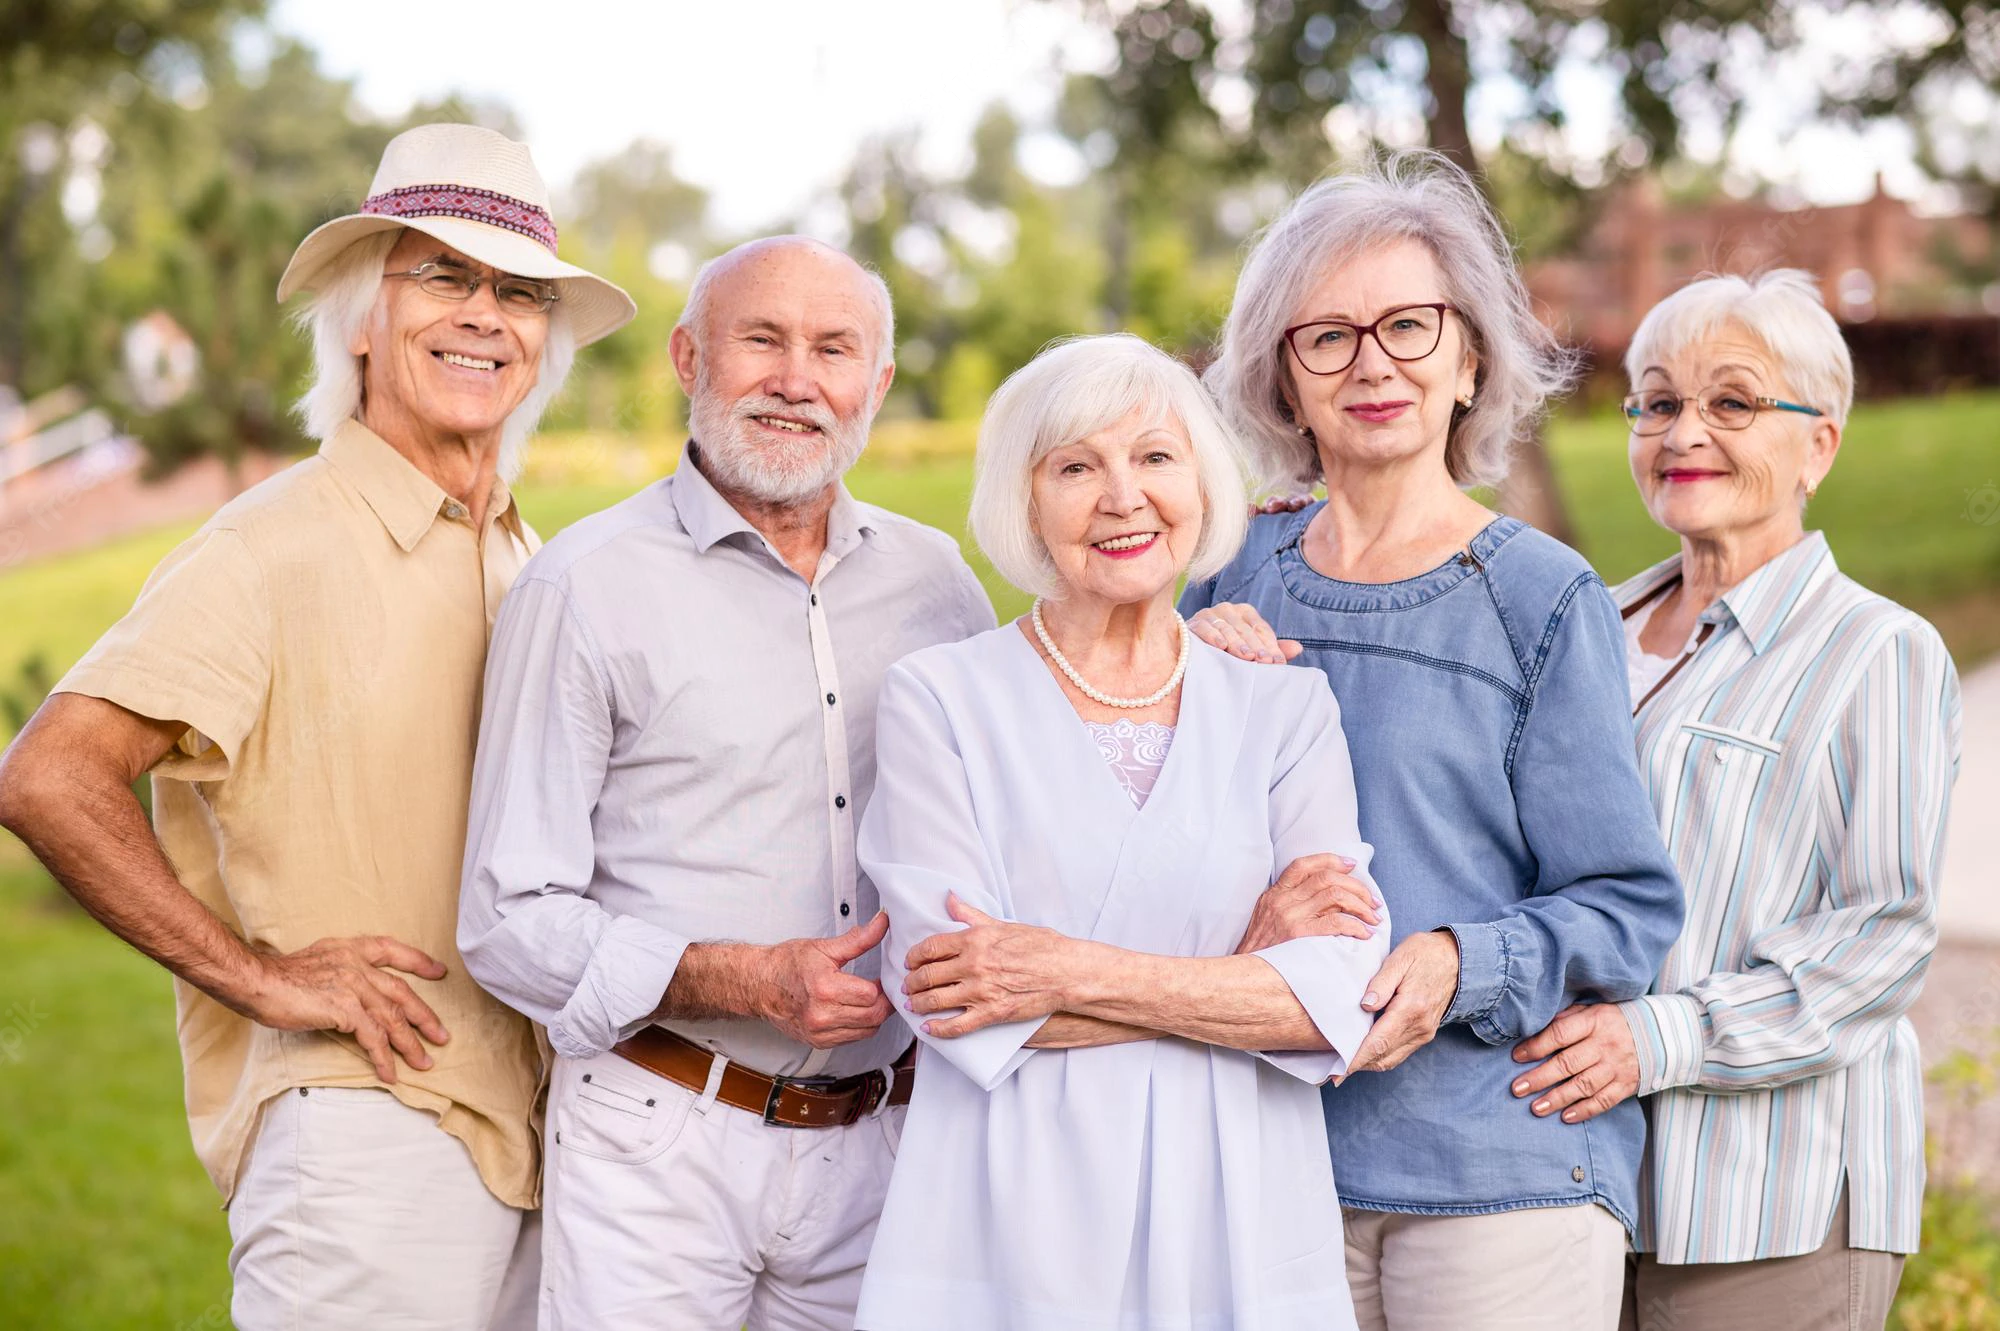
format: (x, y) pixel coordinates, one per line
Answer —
(195, 649)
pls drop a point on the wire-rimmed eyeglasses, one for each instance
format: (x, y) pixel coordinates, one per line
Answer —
(1655, 410)
(516, 295)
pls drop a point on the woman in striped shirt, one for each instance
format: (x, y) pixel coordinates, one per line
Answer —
(1799, 735)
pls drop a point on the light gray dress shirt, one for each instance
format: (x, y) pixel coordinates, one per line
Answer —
(677, 743)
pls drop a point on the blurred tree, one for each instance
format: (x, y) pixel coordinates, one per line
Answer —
(1302, 80)
(204, 195)
(58, 58)
(633, 219)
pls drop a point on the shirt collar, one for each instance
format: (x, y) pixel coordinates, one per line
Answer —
(406, 500)
(1761, 603)
(708, 517)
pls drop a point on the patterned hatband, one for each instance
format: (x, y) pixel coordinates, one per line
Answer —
(472, 205)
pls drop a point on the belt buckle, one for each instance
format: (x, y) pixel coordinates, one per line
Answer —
(778, 1085)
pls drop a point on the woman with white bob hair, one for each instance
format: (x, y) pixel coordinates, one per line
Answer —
(1076, 817)
(1381, 340)
(1799, 735)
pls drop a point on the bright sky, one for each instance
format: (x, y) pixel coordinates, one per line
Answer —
(763, 102)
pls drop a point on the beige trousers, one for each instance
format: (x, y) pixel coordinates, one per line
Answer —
(355, 1210)
(1529, 1270)
(1836, 1288)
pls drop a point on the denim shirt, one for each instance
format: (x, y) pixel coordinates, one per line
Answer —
(1487, 712)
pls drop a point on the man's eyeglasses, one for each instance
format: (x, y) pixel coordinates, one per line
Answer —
(1328, 346)
(1656, 410)
(516, 295)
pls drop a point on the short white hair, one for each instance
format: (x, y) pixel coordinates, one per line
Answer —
(1411, 195)
(1073, 389)
(694, 314)
(1781, 309)
(342, 299)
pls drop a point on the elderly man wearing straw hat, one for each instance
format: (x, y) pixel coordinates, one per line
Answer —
(302, 679)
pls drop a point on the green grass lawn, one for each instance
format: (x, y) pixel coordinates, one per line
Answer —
(106, 1221)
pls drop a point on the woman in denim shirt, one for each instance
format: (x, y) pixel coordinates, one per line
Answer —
(1381, 341)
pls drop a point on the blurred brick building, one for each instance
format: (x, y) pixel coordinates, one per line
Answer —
(1893, 276)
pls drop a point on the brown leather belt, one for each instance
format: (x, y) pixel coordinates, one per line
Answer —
(789, 1102)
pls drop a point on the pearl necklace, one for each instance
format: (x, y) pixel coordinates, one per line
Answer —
(1096, 694)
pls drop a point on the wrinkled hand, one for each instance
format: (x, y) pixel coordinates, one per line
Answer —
(807, 995)
(1592, 1063)
(1239, 630)
(344, 984)
(994, 971)
(1315, 897)
(1409, 995)
(1280, 504)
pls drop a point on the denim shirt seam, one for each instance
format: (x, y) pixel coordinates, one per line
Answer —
(1465, 668)
(1595, 1197)
(1534, 674)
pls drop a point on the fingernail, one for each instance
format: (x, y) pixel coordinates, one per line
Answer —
(1346, 864)
(1541, 1106)
(1369, 999)
(1569, 1116)
(1521, 1086)
(1520, 1055)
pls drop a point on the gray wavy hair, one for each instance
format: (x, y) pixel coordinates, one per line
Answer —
(1416, 195)
(340, 303)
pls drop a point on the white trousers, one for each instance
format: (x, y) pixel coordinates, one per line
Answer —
(1552, 1268)
(355, 1210)
(663, 1208)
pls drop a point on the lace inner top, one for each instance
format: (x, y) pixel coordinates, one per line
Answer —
(1135, 751)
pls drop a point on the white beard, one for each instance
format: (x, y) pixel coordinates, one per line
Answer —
(779, 473)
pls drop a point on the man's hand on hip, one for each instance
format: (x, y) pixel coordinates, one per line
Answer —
(346, 985)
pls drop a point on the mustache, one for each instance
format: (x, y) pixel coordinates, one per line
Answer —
(812, 413)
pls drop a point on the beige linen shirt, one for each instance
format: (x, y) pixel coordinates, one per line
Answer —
(322, 638)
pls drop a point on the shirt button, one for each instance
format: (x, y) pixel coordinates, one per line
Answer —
(840, 801)
(1577, 1173)
(829, 700)
(846, 909)
(815, 598)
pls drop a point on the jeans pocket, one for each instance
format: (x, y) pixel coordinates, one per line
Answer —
(608, 1109)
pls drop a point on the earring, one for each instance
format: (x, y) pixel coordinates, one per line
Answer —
(1812, 488)
(1304, 431)
(1466, 402)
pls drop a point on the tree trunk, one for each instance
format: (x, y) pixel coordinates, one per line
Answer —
(1529, 492)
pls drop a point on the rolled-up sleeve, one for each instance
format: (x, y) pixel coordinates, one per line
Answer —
(1607, 902)
(528, 929)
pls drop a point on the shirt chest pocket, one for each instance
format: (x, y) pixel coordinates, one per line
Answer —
(1726, 770)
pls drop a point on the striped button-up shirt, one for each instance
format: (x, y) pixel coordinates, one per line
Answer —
(1801, 760)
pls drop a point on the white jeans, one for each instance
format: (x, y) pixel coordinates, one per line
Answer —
(663, 1208)
(355, 1210)
(1539, 1269)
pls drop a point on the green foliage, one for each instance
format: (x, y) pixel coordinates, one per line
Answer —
(1953, 1282)
(20, 698)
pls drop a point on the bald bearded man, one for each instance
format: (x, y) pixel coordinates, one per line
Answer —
(677, 747)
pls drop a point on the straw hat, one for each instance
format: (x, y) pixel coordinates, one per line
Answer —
(478, 192)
